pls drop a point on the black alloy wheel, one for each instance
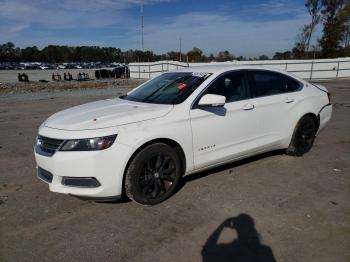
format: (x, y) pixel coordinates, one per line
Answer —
(303, 137)
(157, 176)
(153, 174)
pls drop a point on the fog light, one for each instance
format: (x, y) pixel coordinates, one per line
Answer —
(44, 175)
(86, 182)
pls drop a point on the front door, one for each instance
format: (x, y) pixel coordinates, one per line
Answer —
(224, 133)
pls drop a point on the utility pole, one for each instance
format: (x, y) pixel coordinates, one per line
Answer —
(180, 49)
(142, 26)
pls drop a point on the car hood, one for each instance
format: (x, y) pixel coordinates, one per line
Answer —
(105, 113)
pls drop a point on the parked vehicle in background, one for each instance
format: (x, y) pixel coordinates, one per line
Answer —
(176, 124)
(44, 67)
(70, 66)
(47, 66)
(21, 67)
(61, 67)
(9, 66)
(121, 71)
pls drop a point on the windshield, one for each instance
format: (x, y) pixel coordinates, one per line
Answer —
(168, 88)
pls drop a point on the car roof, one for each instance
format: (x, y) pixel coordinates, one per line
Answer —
(218, 69)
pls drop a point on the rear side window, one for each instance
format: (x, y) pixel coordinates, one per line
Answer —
(291, 84)
(265, 83)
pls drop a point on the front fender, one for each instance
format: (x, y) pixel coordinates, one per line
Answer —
(138, 134)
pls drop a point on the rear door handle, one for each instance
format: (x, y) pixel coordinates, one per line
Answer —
(248, 107)
(289, 100)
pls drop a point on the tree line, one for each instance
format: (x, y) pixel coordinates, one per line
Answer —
(85, 54)
(332, 15)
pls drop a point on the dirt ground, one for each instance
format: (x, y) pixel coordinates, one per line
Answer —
(34, 87)
(273, 206)
(11, 76)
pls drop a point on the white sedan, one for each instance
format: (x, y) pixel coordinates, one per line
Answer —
(181, 122)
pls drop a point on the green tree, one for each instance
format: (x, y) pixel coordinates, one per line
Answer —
(264, 57)
(344, 19)
(241, 58)
(314, 8)
(302, 45)
(211, 58)
(335, 14)
(175, 56)
(7, 52)
(195, 55)
(30, 54)
(283, 56)
(346, 37)
(224, 56)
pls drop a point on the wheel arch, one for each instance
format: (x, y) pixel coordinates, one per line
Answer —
(293, 126)
(167, 141)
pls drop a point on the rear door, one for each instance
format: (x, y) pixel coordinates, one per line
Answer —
(274, 96)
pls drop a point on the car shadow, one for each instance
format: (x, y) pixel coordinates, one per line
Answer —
(247, 247)
(119, 200)
(195, 176)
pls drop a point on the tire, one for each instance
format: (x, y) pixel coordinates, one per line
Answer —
(303, 137)
(153, 174)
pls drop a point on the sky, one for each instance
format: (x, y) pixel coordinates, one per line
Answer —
(243, 27)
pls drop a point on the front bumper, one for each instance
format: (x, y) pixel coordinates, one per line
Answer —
(106, 166)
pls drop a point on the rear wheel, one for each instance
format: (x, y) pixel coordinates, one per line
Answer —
(303, 137)
(153, 174)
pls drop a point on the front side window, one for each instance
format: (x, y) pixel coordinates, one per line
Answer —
(168, 88)
(232, 86)
(265, 83)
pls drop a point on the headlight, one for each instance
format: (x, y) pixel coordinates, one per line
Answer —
(88, 144)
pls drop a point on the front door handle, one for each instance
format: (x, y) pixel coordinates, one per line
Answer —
(248, 107)
(288, 100)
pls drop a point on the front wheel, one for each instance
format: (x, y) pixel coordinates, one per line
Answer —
(153, 174)
(303, 137)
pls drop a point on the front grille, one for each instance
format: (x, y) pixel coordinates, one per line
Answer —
(47, 146)
(44, 175)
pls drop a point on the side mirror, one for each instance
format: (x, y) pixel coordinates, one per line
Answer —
(210, 100)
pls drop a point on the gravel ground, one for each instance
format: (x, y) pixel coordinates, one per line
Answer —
(11, 76)
(298, 206)
(53, 94)
(34, 87)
